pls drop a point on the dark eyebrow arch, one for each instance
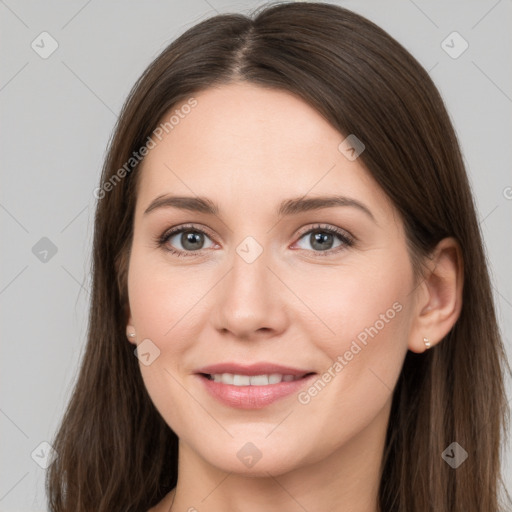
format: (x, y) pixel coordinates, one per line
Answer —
(292, 206)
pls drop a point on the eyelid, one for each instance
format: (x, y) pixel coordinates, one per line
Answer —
(183, 227)
(327, 227)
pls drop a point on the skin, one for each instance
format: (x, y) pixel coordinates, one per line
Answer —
(247, 148)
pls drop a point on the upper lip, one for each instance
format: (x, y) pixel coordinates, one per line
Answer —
(252, 369)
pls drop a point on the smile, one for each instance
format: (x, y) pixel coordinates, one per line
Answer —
(252, 391)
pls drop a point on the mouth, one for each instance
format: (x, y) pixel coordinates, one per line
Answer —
(248, 388)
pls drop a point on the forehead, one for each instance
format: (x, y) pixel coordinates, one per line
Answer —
(248, 143)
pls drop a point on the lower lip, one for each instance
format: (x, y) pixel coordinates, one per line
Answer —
(252, 397)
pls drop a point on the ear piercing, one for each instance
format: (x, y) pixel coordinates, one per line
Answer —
(427, 343)
(130, 335)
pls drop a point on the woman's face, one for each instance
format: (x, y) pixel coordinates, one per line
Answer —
(249, 286)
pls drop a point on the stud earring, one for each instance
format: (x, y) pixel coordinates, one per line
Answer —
(130, 334)
(427, 343)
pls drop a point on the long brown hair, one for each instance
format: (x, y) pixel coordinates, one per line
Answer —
(115, 452)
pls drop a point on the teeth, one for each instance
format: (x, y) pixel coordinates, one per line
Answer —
(252, 380)
(259, 380)
(241, 380)
(275, 378)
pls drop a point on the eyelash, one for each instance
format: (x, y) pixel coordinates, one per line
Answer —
(161, 241)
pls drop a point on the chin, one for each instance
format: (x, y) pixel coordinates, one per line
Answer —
(255, 458)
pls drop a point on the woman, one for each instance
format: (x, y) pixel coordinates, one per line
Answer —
(286, 240)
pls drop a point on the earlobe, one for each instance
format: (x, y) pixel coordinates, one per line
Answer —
(440, 297)
(130, 331)
(130, 334)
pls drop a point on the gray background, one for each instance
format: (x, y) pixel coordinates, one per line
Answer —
(57, 115)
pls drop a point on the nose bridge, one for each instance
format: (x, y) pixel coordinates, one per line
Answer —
(249, 278)
(248, 298)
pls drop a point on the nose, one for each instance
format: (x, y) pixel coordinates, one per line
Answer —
(250, 299)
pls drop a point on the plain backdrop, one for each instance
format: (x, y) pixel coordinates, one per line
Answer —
(57, 113)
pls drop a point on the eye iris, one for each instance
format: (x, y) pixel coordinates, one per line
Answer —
(321, 237)
(191, 237)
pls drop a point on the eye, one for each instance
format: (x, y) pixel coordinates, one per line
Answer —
(322, 239)
(190, 238)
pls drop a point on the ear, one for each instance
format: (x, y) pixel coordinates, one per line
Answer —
(439, 297)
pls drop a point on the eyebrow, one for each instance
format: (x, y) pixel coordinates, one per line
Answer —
(287, 207)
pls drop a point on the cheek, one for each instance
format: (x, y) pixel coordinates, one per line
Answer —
(361, 302)
(159, 301)
(364, 315)
(160, 297)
